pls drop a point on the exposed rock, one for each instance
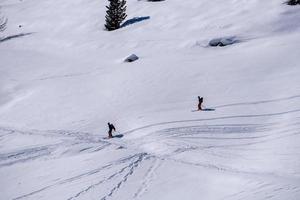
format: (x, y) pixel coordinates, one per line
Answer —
(131, 58)
(222, 42)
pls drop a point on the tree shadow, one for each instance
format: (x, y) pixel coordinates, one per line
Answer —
(134, 20)
(14, 36)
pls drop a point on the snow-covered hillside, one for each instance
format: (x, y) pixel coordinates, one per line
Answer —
(62, 78)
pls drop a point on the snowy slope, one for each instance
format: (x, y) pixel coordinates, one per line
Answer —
(62, 78)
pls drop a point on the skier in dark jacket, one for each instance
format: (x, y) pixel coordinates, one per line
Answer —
(200, 99)
(111, 128)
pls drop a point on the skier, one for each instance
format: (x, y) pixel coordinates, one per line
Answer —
(111, 127)
(200, 99)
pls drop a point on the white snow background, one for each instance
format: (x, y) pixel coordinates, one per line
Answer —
(62, 78)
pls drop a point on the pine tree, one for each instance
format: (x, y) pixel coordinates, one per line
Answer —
(116, 14)
(3, 22)
(293, 2)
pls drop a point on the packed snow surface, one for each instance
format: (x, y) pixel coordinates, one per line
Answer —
(62, 78)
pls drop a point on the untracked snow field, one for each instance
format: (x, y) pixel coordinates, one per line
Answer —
(62, 78)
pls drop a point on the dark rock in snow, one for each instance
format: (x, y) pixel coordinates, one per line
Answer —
(131, 58)
(215, 42)
(222, 42)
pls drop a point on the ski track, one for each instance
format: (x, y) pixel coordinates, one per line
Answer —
(149, 176)
(213, 119)
(48, 151)
(133, 164)
(24, 155)
(83, 175)
(131, 167)
(182, 139)
(253, 103)
(265, 189)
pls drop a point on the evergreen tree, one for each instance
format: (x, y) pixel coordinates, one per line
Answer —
(115, 14)
(3, 22)
(293, 2)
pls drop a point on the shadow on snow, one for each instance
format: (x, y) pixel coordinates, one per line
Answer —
(134, 20)
(14, 36)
